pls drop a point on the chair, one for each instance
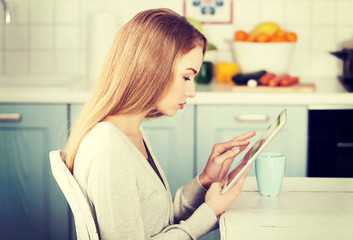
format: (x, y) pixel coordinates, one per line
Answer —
(85, 224)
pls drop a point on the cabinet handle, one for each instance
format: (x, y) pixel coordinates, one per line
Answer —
(345, 144)
(252, 118)
(10, 117)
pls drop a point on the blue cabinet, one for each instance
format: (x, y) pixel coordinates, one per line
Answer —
(31, 204)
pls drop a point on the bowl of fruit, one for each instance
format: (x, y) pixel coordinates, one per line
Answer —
(268, 47)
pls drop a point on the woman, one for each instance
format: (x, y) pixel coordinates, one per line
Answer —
(150, 71)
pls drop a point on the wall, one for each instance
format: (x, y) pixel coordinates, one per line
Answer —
(48, 37)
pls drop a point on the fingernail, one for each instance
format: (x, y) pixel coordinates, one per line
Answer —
(236, 150)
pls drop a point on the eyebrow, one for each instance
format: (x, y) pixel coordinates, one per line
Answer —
(195, 72)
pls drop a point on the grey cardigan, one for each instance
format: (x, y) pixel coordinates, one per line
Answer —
(127, 198)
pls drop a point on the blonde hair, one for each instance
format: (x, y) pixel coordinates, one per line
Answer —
(138, 70)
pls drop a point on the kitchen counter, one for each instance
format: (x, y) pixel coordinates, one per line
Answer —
(306, 209)
(206, 94)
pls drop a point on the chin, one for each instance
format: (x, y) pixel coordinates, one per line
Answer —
(169, 113)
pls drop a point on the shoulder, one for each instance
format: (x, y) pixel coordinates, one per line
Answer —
(102, 137)
(104, 142)
(104, 153)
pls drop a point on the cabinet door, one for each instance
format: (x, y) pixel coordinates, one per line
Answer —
(32, 204)
(222, 123)
(172, 141)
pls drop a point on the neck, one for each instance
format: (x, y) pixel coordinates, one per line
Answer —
(127, 123)
(130, 124)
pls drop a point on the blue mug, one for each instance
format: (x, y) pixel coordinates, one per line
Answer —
(269, 170)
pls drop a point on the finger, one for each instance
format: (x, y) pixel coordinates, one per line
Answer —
(238, 186)
(242, 179)
(227, 163)
(226, 166)
(244, 176)
(241, 165)
(237, 141)
(262, 142)
(242, 148)
(222, 147)
(248, 170)
(245, 159)
(216, 186)
(246, 135)
(227, 155)
(235, 191)
(247, 155)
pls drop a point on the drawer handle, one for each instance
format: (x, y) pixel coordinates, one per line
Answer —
(252, 118)
(345, 144)
(10, 117)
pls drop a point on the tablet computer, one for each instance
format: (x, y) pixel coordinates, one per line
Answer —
(258, 147)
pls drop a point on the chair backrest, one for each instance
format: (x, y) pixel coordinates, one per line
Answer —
(85, 224)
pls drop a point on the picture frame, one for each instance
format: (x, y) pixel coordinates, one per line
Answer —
(209, 11)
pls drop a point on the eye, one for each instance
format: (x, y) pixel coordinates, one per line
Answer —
(187, 78)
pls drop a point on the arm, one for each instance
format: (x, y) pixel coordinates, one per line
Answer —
(187, 199)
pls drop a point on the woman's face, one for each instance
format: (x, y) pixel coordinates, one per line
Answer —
(183, 86)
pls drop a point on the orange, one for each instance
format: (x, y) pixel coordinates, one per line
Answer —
(240, 36)
(280, 33)
(277, 39)
(291, 37)
(278, 36)
(261, 37)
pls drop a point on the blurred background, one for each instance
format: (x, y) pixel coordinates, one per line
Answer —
(49, 37)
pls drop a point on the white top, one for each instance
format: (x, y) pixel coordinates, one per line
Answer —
(128, 199)
(306, 209)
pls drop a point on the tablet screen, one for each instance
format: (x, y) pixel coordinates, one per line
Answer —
(258, 147)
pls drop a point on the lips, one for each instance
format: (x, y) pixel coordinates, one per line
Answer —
(181, 105)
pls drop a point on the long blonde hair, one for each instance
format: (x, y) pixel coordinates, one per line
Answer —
(138, 70)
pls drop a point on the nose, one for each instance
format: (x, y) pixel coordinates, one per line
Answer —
(190, 90)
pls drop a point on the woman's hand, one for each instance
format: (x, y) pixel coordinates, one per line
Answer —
(222, 157)
(220, 202)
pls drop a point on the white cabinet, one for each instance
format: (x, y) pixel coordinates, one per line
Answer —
(224, 122)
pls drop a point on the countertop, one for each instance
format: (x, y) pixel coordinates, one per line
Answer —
(214, 93)
(306, 209)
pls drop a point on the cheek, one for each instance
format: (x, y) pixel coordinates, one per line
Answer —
(179, 88)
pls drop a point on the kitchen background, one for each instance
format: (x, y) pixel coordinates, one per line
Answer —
(49, 37)
(48, 40)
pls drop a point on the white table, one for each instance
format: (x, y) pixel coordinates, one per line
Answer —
(307, 208)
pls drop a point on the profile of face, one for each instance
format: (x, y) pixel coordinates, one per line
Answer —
(183, 86)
